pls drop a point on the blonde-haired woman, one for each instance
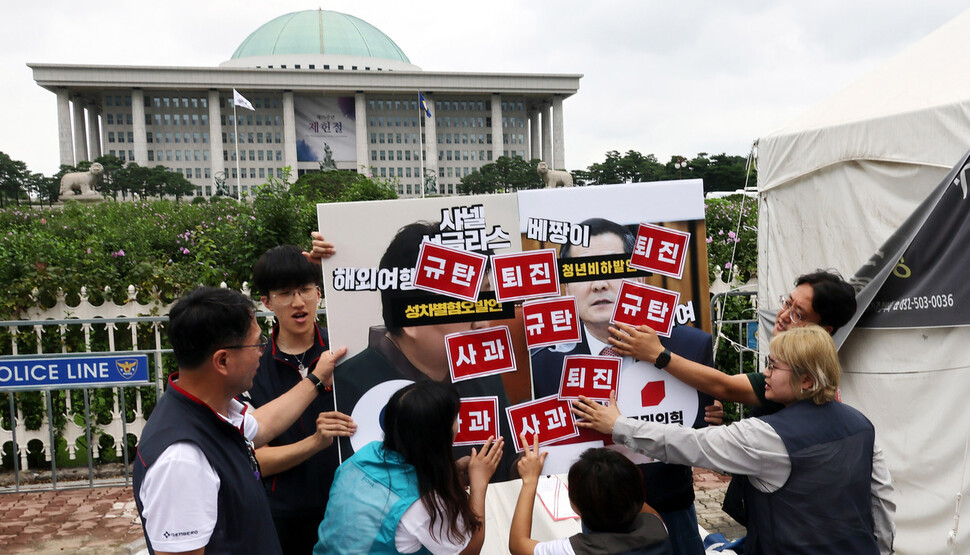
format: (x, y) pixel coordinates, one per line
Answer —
(816, 481)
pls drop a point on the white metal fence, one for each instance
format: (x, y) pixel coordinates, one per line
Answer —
(57, 438)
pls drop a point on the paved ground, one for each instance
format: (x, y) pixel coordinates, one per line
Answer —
(104, 521)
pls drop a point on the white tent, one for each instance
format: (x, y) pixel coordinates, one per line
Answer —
(834, 184)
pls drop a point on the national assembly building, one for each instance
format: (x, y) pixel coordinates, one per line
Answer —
(325, 87)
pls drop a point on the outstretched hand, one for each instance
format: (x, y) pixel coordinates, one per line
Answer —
(596, 416)
(642, 343)
(323, 369)
(531, 461)
(333, 424)
(714, 413)
(320, 249)
(483, 463)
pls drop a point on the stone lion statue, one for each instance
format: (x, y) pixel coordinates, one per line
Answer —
(82, 183)
(554, 178)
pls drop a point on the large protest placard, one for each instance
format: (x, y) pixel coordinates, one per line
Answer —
(396, 332)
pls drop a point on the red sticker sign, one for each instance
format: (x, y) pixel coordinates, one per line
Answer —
(477, 420)
(638, 304)
(591, 376)
(473, 354)
(525, 275)
(453, 272)
(549, 417)
(551, 321)
(661, 250)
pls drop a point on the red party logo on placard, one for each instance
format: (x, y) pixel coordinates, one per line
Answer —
(478, 353)
(661, 250)
(549, 417)
(591, 376)
(551, 321)
(525, 275)
(638, 304)
(452, 272)
(477, 420)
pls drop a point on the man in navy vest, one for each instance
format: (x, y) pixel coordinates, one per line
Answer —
(196, 479)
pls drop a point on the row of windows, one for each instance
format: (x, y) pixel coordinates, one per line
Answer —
(448, 121)
(373, 104)
(186, 137)
(258, 102)
(249, 138)
(389, 155)
(174, 119)
(395, 138)
(267, 102)
(378, 121)
(445, 189)
(178, 156)
(121, 119)
(444, 105)
(253, 155)
(251, 119)
(464, 138)
(473, 155)
(175, 102)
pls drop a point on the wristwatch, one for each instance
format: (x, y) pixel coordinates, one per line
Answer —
(663, 359)
(319, 385)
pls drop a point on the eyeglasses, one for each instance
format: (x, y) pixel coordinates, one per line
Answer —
(773, 366)
(261, 346)
(787, 303)
(307, 293)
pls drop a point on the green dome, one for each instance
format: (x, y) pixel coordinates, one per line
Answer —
(319, 32)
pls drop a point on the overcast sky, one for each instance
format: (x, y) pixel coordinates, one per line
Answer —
(669, 78)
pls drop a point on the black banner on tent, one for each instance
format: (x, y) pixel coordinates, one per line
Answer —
(919, 276)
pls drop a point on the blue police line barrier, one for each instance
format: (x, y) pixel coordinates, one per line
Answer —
(73, 372)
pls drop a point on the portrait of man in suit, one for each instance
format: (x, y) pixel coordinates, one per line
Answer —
(668, 488)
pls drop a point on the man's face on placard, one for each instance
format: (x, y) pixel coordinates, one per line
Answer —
(595, 299)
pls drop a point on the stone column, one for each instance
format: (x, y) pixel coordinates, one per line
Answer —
(138, 126)
(534, 141)
(64, 127)
(431, 145)
(360, 120)
(94, 131)
(497, 145)
(547, 135)
(289, 134)
(80, 140)
(558, 144)
(216, 163)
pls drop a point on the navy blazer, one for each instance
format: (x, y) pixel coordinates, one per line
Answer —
(669, 487)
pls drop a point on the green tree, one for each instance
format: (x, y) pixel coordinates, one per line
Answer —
(111, 164)
(45, 188)
(341, 186)
(177, 185)
(504, 175)
(13, 179)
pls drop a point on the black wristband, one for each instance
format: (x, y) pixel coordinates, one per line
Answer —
(317, 383)
(663, 360)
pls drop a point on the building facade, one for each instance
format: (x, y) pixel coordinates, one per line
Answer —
(324, 86)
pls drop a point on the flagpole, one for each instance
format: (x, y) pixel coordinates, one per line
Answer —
(421, 114)
(235, 131)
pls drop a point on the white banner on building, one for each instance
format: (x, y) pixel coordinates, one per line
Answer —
(322, 123)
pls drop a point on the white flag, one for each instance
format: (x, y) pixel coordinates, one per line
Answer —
(240, 100)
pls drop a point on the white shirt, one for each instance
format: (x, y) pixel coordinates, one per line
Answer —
(414, 532)
(753, 448)
(180, 491)
(554, 547)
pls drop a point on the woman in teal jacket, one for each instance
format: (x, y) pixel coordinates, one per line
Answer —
(405, 495)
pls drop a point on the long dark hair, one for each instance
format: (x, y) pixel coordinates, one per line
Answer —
(418, 424)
